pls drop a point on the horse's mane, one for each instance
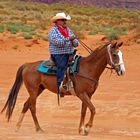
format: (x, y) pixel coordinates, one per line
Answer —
(95, 52)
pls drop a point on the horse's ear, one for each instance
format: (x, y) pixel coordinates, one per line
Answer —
(114, 45)
(120, 44)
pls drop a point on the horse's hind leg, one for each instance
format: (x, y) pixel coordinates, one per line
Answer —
(33, 111)
(25, 109)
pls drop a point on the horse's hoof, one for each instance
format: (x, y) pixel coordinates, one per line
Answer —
(83, 131)
(17, 128)
(62, 94)
(86, 130)
(40, 131)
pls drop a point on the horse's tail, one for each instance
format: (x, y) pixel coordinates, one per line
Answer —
(11, 101)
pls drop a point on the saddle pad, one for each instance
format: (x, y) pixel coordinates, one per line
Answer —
(74, 67)
(46, 70)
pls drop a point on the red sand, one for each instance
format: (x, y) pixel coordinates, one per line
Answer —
(117, 100)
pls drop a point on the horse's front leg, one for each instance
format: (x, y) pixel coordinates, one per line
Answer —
(82, 119)
(86, 100)
(93, 111)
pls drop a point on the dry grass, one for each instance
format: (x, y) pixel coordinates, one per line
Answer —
(85, 19)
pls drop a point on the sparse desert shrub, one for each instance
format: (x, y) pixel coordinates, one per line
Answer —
(13, 28)
(111, 32)
(42, 24)
(28, 28)
(18, 27)
(112, 36)
(15, 47)
(27, 35)
(45, 38)
(84, 18)
(1, 28)
(91, 33)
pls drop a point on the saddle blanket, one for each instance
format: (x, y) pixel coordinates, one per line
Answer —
(51, 70)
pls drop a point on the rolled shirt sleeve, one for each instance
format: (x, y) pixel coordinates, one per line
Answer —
(75, 42)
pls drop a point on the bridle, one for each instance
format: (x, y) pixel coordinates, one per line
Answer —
(112, 64)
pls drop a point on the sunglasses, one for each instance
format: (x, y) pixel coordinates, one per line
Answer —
(63, 19)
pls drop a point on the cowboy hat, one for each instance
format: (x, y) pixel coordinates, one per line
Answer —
(60, 16)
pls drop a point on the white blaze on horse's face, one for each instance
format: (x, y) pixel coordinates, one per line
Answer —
(121, 70)
(115, 58)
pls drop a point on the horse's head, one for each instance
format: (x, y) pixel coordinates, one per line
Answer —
(115, 59)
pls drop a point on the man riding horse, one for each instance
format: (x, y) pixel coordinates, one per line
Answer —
(62, 42)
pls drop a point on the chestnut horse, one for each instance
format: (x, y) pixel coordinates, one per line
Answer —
(85, 83)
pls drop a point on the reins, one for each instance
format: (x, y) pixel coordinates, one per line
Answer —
(91, 51)
(85, 46)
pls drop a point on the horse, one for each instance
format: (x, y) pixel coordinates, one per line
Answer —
(85, 83)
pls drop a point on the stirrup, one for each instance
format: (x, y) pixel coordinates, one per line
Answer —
(62, 94)
(62, 90)
(69, 83)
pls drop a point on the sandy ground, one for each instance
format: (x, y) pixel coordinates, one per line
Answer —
(117, 100)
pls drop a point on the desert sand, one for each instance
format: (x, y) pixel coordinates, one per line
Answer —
(117, 99)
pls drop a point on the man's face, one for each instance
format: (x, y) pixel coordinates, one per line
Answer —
(62, 22)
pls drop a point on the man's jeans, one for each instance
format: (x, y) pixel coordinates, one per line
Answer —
(61, 60)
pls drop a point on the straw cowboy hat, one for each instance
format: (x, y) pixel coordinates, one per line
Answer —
(60, 16)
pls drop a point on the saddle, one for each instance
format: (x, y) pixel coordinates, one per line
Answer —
(49, 64)
(48, 67)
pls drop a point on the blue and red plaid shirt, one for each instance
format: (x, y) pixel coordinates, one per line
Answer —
(58, 44)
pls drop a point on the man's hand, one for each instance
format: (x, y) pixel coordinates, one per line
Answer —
(71, 38)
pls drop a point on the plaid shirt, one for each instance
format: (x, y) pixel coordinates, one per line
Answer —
(58, 44)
